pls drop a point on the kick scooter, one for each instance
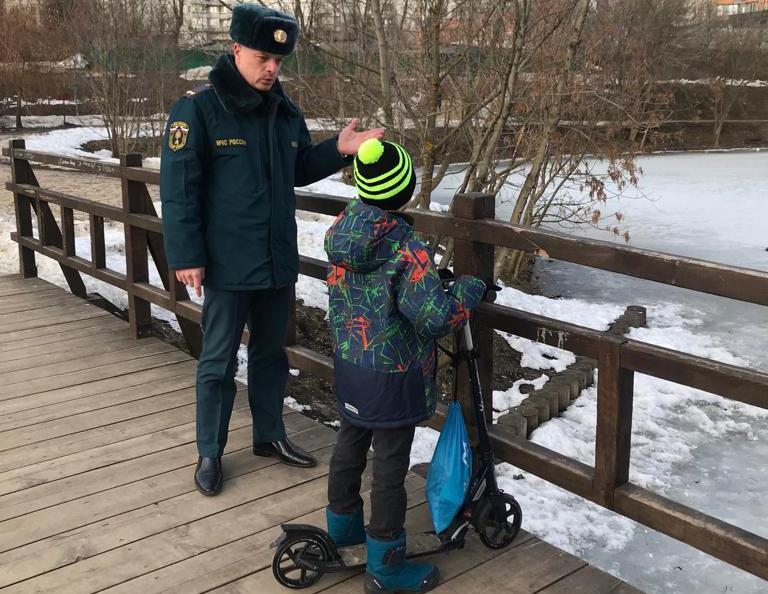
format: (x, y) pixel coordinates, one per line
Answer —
(304, 553)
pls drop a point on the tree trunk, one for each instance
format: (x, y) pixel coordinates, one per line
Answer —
(432, 52)
(718, 131)
(19, 124)
(19, 100)
(552, 112)
(482, 163)
(385, 75)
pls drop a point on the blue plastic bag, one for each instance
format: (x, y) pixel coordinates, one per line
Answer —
(450, 471)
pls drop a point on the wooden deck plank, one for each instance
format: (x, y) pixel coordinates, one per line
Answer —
(130, 470)
(103, 417)
(451, 564)
(8, 288)
(242, 546)
(17, 303)
(587, 580)
(81, 312)
(11, 360)
(526, 569)
(146, 373)
(85, 440)
(243, 485)
(180, 543)
(16, 277)
(48, 373)
(8, 339)
(100, 456)
(107, 503)
(44, 414)
(18, 280)
(91, 349)
(81, 379)
(34, 300)
(117, 565)
(67, 331)
(45, 314)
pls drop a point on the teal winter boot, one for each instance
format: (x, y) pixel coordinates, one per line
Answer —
(345, 529)
(388, 571)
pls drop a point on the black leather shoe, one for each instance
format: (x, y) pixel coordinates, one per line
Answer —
(209, 477)
(286, 451)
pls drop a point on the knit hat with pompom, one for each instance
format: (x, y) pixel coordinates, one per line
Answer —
(384, 174)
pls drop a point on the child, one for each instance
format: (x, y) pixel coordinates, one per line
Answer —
(387, 308)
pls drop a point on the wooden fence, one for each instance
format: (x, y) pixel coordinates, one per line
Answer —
(476, 233)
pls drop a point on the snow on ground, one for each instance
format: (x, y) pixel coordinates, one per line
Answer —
(670, 422)
(50, 121)
(731, 82)
(10, 102)
(199, 73)
(68, 141)
(506, 399)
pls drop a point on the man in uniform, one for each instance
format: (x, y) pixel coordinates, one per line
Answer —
(232, 153)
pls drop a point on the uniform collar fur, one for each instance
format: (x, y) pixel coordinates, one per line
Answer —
(236, 95)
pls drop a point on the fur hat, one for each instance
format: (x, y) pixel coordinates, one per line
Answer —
(264, 29)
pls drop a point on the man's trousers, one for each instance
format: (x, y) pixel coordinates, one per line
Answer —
(225, 314)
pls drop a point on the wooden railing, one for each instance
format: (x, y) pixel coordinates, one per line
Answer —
(476, 233)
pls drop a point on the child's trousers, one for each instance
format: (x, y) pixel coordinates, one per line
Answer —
(391, 457)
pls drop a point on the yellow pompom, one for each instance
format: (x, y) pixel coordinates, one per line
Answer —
(370, 151)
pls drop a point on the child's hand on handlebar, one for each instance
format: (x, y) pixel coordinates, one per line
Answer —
(448, 278)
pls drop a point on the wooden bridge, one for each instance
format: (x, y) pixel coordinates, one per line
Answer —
(97, 453)
(97, 434)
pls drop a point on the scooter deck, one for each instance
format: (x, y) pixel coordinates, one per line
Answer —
(418, 544)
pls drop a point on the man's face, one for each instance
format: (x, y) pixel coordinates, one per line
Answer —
(259, 69)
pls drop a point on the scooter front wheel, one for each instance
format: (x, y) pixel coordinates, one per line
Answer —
(499, 521)
(293, 560)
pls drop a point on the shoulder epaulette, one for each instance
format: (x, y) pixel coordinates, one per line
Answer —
(196, 90)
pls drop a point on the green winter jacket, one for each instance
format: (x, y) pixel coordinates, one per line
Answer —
(230, 160)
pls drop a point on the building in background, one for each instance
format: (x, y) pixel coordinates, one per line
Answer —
(732, 7)
(30, 7)
(206, 24)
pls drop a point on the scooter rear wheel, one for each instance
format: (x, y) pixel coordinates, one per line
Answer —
(499, 532)
(286, 565)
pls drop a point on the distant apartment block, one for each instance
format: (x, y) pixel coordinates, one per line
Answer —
(733, 7)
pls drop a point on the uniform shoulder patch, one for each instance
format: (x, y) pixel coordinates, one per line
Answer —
(177, 135)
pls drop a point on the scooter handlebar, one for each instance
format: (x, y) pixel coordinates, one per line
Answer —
(448, 278)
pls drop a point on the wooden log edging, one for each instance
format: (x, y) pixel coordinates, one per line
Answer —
(565, 387)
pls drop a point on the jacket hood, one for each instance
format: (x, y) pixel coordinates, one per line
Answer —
(364, 237)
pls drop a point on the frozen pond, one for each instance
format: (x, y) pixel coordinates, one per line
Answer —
(712, 206)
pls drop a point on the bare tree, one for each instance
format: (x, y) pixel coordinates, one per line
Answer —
(21, 46)
(522, 92)
(735, 58)
(131, 48)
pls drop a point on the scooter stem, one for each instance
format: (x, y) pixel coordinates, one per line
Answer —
(484, 445)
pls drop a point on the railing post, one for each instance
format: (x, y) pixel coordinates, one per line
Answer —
(613, 440)
(47, 228)
(471, 257)
(98, 248)
(136, 261)
(20, 174)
